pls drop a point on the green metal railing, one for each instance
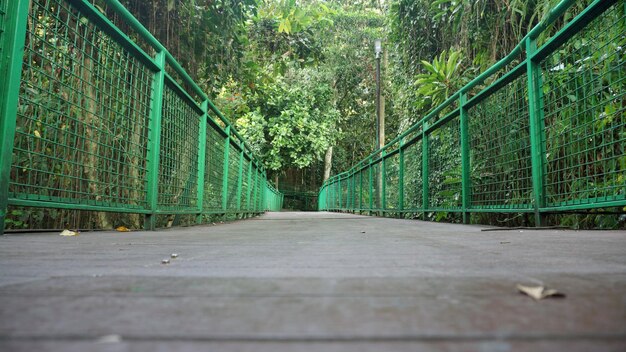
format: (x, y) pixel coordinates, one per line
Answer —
(94, 120)
(548, 134)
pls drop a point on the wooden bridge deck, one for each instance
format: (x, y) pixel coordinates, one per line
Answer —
(313, 282)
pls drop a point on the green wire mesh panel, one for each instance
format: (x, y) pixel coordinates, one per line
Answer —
(341, 186)
(350, 203)
(253, 189)
(584, 87)
(331, 195)
(233, 177)
(332, 202)
(349, 199)
(345, 186)
(83, 112)
(501, 172)
(391, 179)
(245, 186)
(365, 188)
(213, 169)
(444, 166)
(344, 193)
(413, 176)
(355, 191)
(178, 165)
(260, 189)
(377, 180)
(335, 191)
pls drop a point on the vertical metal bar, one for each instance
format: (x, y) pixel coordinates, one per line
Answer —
(202, 159)
(11, 73)
(425, 157)
(154, 141)
(537, 145)
(240, 178)
(225, 170)
(465, 159)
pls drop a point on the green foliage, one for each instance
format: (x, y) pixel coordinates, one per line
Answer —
(208, 37)
(443, 77)
(296, 118)
(291, 18)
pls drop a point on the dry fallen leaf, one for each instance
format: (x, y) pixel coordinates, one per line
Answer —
(122, 229)
(69, 233)
(539, 292)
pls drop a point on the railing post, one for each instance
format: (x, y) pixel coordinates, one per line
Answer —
(11, 73)
(202, 159)
(240, 178)
(465, 160)
(537, 142)
(401, 181)
(154, 142)
(425, 201)
(225, 170)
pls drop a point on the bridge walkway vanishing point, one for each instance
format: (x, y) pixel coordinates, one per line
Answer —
(313, 282)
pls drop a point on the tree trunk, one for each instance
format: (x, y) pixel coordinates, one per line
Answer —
(328, 163)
